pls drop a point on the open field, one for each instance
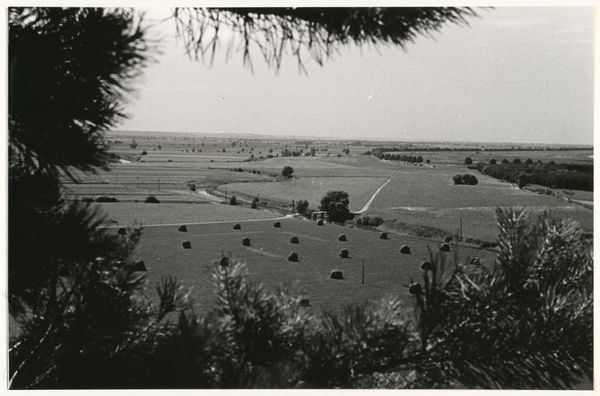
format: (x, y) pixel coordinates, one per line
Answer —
(129, 213)
(386, 270)
(312, 189)
(427, 196)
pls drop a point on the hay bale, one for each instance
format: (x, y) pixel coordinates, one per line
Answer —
(383, 235)
(404, 249)
(426, 266)
(246, 241)
(277, 224)
(237, 226)
(224, 262)
(293, 256)
(305, 302)
(182, 228)
(415, 288)
(336, 274)
(342, 238)
(444, 247)
(139, 266)
(344, 253)
(320, 222)
(294, 239)
(186, 245)
(122, 231)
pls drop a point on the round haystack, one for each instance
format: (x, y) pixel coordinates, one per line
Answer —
(475, 261)
(336, 274)
(246, 241)
(344, 253)
(277, 224)
(405, 249)
(320, 222)
(186, 245)
(383, 235)
(415, 288)
(237, 226)
(182, 228)
(293, 256)
(122, 231)
(305, 302)
(342, 238)
(294, 239)
(426, 266)
(444, 247)
(139, 266)
(224, 262)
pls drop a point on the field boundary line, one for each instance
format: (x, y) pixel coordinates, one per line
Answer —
(203, 222)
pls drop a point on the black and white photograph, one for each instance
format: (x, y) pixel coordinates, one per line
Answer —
(287, 196)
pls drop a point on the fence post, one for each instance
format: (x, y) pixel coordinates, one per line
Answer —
(363, 272)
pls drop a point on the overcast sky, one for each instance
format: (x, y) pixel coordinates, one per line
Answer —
(521, 75)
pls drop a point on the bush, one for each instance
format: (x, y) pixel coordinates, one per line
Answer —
(492, 161)
(144, 152)
(105, 198)
(466, 179)
(151, 199)
(468, 161)
(287, 171)
(336, 203)
(233, 200)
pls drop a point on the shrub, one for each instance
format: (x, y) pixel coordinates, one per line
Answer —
(88, 199)
(122, 231)
(444, 247)
(516, 161)
(293, 256)
(383, 235)
(505, 161)
(106, 199)
(182, 228)
(466, 179)
(192, 187)
(151, 199)
(144, 152)
(468, 161)
(246, 241)
(277, 224)
(344, 253)
(186, 244)
(320, 222)
(237, 226)
(287, 171)
(233, 200)
(342, 238)
(172, 160)
(492, 161)
(405, 249)
(294, 239)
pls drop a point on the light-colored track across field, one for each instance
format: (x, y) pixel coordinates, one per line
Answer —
(375, 194)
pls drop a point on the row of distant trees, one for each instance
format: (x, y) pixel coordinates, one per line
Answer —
(396, 157)
(567, 176)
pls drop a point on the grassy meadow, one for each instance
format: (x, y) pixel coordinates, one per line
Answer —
(416, 196)
(386, 270)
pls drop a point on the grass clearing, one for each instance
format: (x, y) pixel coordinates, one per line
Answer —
(386, 270)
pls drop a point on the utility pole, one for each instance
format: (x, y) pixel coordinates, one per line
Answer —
(363, 272)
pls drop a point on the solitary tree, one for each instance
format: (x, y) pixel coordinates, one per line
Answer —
(336, 203)
(287, 171)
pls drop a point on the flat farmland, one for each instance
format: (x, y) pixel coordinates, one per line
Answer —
(129, 213)
(386, 270)
(359, 189)
(427, 196)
